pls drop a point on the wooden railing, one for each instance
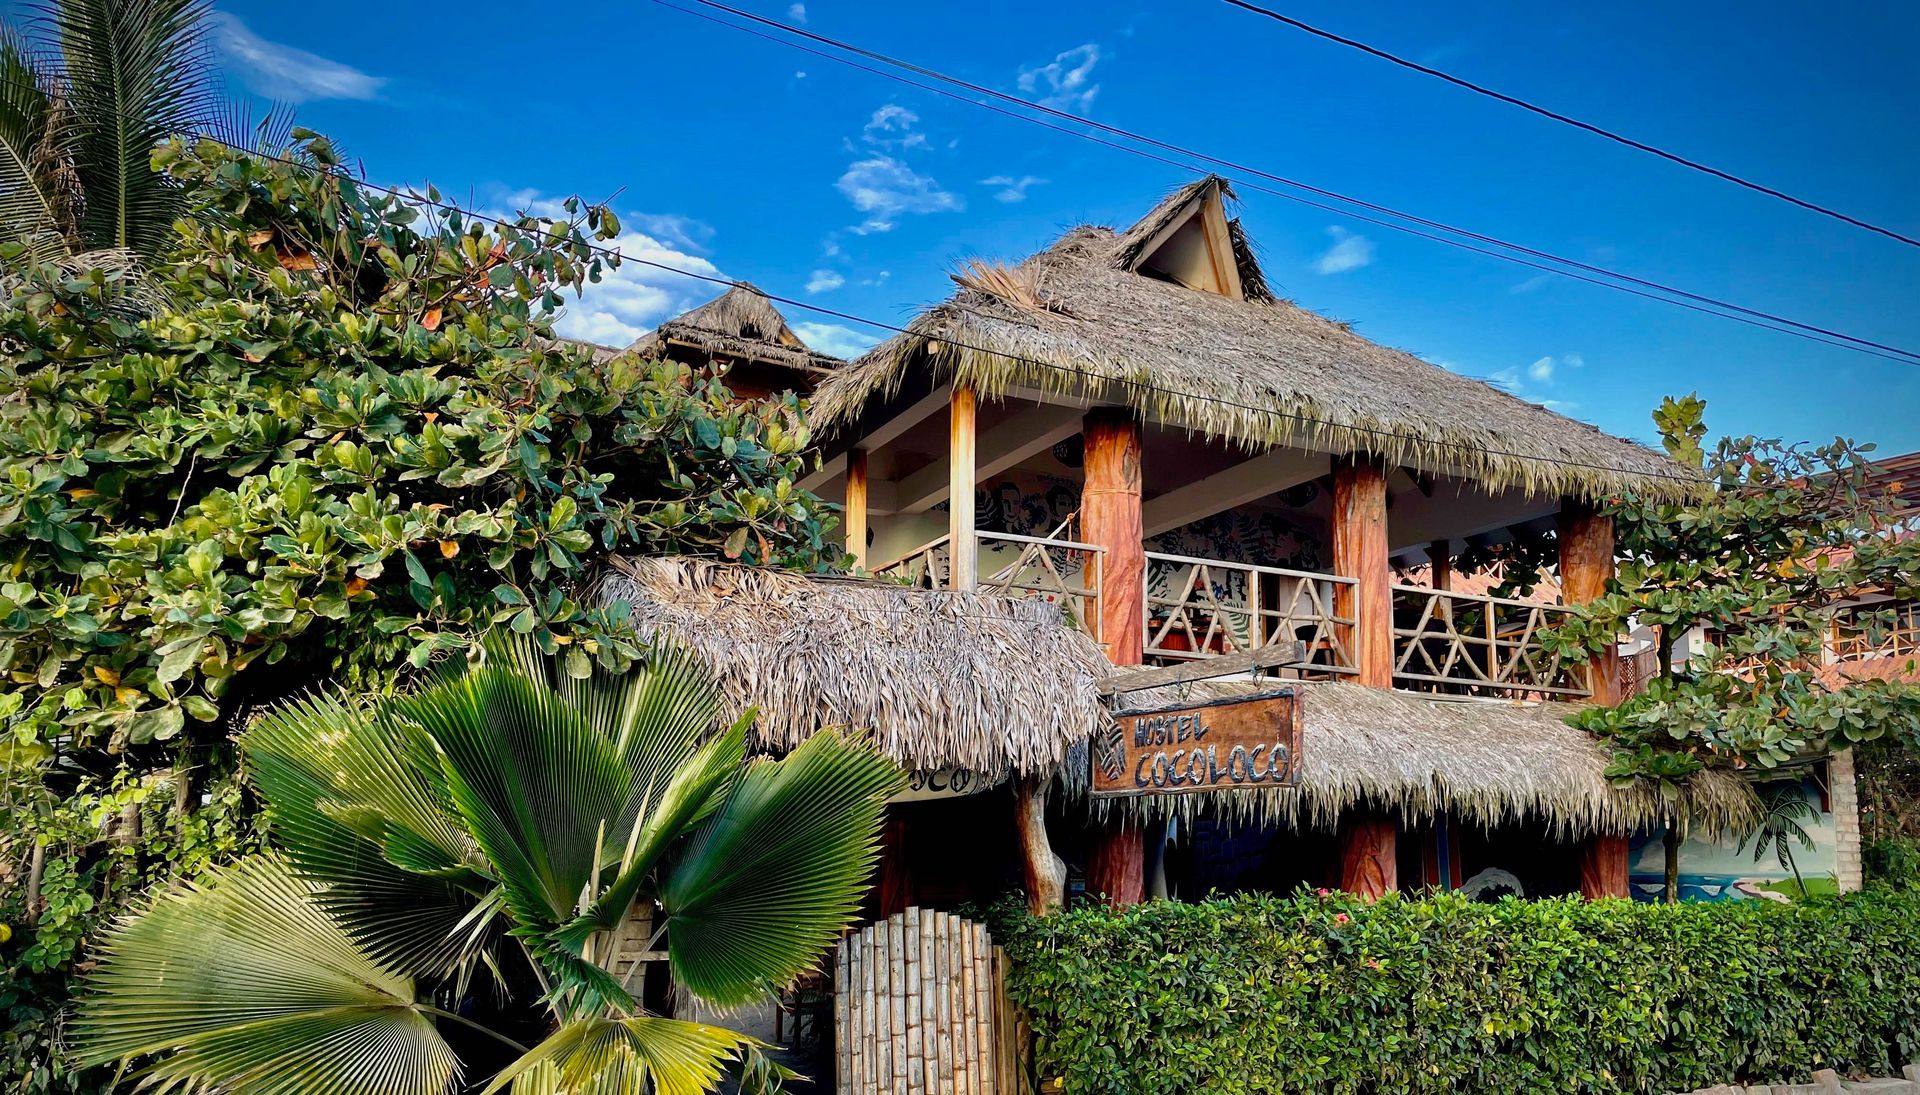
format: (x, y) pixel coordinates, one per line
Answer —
(1198, 608)
(1878, 631)
(1468, 643)
(1062, 572)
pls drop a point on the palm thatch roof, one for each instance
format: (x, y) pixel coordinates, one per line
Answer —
(939, 679)
(740, 323)
(1489, 762)
(1250, 368)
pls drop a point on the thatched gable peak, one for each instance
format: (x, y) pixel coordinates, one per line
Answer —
(1242, 367)
(741, 323)
(1189, 239)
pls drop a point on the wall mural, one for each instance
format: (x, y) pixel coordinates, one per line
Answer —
(1753, 869)
(1032, 504)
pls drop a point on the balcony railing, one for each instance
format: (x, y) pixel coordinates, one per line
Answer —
(1878, 631)
(1198, 608)
(1465, 642)
(1062, 572)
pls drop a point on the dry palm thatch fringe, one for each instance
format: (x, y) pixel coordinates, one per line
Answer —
(1260, 372)
(1014, 285)
(740, 323)
(938, 679)
(1489, 762)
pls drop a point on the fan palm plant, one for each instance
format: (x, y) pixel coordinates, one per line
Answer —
(507, 813)
(82, 105)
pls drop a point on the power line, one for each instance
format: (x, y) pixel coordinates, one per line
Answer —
(1704, 304)
(1087, 375)
(1555, 115)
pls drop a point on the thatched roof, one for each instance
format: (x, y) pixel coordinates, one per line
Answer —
(1486, 761)
(740, 323)
(1254, 369)
(988, 684)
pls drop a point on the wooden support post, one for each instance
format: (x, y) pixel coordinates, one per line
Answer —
(1360, 552)
(1046, 875)
(1441, 553)
(1603, 866)
(856, 508)
(962, 545)
(893, 889)
(1586, 565)
(1110, 519)
(1369, 857)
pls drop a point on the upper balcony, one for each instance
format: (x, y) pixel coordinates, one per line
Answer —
(1443, 641)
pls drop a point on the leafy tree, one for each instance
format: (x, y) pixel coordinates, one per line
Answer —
(349, 441)
(507, 814)
(1762, 562)
(82, 105)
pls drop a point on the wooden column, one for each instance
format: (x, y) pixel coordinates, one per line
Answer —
(962, 548)
(1046, 875)
(856, 508)
(1110, 518)
(1360, 552)
(1603, 866)
(1441, 554)
(1369, 863)
(893, 884)
(1586, 565)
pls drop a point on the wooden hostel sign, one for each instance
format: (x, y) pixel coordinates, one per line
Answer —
(1245, 742)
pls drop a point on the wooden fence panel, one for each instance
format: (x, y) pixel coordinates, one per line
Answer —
(920, 1008)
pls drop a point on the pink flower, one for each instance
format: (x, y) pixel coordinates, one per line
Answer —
(1323, 892)
(1341, 918)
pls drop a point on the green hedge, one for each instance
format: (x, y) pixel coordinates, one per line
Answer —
(1326, 994)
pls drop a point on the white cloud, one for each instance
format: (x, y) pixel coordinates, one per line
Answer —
(884, 188)
(1560, 406)
(673, 228)
(1541, 371)
(835, 339)
(1065, 82)
(825, 281)
(1012, 189)
(1572, 361)
(283, 72)
(1349, 252)
(798, 13)
(1532, 283)
(892, 126)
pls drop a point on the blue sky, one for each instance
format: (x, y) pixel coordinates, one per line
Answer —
(734, 155)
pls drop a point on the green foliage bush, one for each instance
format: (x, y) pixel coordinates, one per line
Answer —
(1439, 994)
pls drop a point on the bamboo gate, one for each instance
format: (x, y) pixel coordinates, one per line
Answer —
(921, 1008)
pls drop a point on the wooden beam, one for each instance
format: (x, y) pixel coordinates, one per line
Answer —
(1369, 859)
(1001, 447)
(881, 436)
(856, 508)
(1250, 480)
(1213, 222)
(1360, 553)
(1110, 519)
(962, 548)
(1603, 866)
(1440, 558)
(1226, 665)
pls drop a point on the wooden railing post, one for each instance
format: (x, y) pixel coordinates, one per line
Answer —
(1586, 565)
(962, 549)
(1110, 519)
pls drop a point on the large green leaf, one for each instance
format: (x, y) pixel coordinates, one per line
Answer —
(357, 801)
(774, 876)
(136, 73)
(619, 1056)
(245, 984)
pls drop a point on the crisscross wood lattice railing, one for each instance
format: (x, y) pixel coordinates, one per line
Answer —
(1470, 643)
(1062, 572)
(1199, 608)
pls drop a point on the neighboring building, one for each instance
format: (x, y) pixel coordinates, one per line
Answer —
(1131, 425)
(741, 333)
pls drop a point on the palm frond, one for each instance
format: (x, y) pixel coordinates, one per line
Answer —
(773, 877)
(608, 1056)
(245, 984)
(35, 207)
(357, 801)
(136, 73)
